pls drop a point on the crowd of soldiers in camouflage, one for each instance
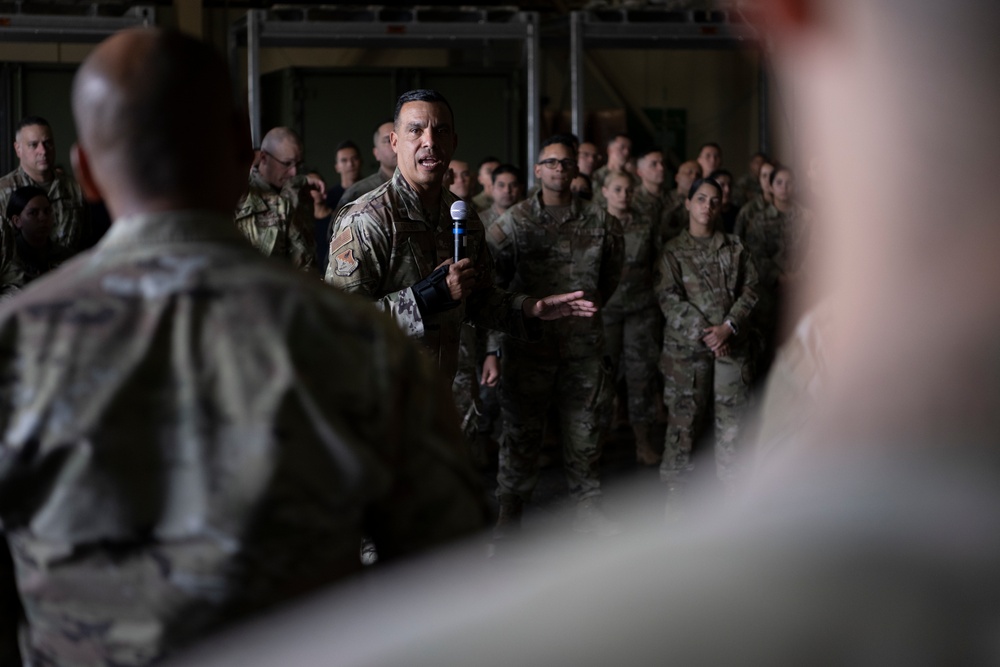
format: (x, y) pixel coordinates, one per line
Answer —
(658, 288)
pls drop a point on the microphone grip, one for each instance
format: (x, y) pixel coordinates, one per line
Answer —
(458, 233)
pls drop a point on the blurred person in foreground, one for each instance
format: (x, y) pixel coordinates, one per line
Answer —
(173, 453)
(873, 536)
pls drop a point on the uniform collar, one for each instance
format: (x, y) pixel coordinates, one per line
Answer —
(410, 201)
(538, 207)
(170, 227)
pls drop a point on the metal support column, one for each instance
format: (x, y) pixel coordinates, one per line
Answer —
(532, 56)
(576, 73)
(253, 73)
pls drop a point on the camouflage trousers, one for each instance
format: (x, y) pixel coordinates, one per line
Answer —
(580, 390)
(700, 393)
(465, 386)
(633, 341)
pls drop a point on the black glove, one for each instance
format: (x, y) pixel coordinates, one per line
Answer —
(432, 293)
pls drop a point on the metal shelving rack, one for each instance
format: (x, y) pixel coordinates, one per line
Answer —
(91, 26)
(386, 27)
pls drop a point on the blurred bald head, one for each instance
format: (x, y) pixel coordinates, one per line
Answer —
(157, 125)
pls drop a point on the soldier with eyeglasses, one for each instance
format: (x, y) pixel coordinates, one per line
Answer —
(275, 214)
(553, 242)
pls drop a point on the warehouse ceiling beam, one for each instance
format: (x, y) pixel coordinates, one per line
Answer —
(387, 27)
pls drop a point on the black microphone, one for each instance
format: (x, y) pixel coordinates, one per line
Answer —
(459, 211)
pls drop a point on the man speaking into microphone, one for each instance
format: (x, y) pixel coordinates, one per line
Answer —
(396, 245)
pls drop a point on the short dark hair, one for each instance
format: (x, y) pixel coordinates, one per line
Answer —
(506, 169)
(777, 168)
(421, 95)
(709, 144)
(720, 172)
(618, 135)
(31, 120)
(347, 143)
(647, 150)
(704, 181)
(21, 196)
(561, 139)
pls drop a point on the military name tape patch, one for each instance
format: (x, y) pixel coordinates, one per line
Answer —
(346, 263)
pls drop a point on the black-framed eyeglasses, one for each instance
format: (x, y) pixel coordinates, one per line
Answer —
(287, 164)
(552, 162)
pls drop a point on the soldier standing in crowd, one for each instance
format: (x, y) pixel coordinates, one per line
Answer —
(759, 202)
(395, 245)
(348, 166)
(727, 210)
(651, 200)
(748, 186)
(484, 176)
(676, 219)
(36, 154)
(632, 321)
(707, 290)
(459, 180)
(175, 456)
(29, 214)
(619, 153)
(276, 212)
(777, 238)
(507, 188)
(709, 158)
(554, 241)
(588, 159)
(386, 157)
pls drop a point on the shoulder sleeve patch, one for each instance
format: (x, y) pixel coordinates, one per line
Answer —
(342, 239)
(347, 263)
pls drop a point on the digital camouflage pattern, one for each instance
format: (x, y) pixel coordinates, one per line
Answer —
(581, 390)
(750, 210)
(70, 219)
(278, 224)
(174, 452)
(777, 241)
(539, 255)
(702, 283)
(488, 216)
(632, 321)
(481, 202)
(384, 243)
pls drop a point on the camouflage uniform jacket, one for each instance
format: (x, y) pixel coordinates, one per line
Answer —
(482, 201)
(70, 228)
(748, 212)
(642, 250)
(383, 245)
(703, 284)
(278, 224)
(362, 187)
(190, 432)
(488, 216)
(539, 255)
(777, 241)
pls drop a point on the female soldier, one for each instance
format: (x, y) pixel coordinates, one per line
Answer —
(631, 320)
(30, 215)
(707, 291)
(776, 239)
(758, 203)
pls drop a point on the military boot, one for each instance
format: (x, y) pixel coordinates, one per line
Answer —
(590, 519)
(645, 454)
(509, 519)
